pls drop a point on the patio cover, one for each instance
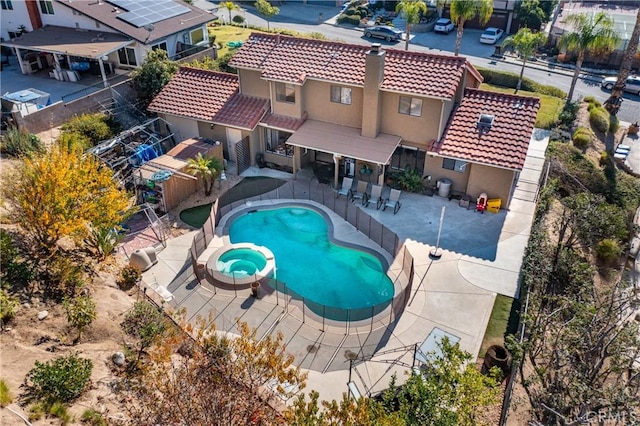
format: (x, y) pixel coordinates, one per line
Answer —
(344, 141)
(70, 41)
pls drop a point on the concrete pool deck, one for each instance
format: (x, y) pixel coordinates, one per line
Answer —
(481, 257)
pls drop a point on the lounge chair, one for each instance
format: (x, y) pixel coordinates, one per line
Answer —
(375, 197)
(346, 188)
(361, 191)
(393, 201)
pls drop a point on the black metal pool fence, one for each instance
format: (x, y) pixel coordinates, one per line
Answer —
(310, 190)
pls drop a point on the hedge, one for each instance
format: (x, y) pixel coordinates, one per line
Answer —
(508, 79)
(582, 137)
(599, 119)
(353, 20)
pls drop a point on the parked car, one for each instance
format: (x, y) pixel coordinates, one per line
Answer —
(491, 35)
(632, 84)
(443, 25)
(385, 32)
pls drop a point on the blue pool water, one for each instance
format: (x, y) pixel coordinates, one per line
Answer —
(312, 266)
(241, 262)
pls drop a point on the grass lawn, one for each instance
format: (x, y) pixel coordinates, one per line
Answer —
(227, 33)
(503, 320)
(550, 106)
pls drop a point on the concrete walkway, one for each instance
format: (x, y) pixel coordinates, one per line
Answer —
(481, 256)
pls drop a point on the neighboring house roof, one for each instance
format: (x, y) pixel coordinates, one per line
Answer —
(107, 13)
(195, 93)
(292, 59)
(283, 122)
(504, 144)
(242, 111)
(70, 41)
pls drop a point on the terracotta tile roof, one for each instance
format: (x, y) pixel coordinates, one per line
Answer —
(284, 122)
(294, 59)
(195, 93)
(504, 144)
(242, 111)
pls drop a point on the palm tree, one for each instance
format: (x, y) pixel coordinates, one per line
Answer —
(229, 5)
(462, 11)
(207, 168)
(613, 103)
(440, 4)
(592, 34)
(412, 11)
(524, 42)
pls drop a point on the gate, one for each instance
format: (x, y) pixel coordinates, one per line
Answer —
(243, 155)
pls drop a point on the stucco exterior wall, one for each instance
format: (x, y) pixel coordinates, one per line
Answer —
(10, 20)
(317, 103)
(183, 128)
(433, 168)
(216, 134)
(419, 130)
(494, 181)
(287, 108)
(252, 85)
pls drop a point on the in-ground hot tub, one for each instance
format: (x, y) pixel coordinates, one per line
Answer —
(239, 265)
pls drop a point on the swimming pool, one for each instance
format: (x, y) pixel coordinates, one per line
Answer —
(239, 265)
(311, 265)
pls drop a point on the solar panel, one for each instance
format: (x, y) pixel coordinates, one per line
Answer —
(144, 12)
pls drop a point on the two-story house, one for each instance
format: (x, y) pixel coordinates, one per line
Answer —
(100, 35)
(295, 102)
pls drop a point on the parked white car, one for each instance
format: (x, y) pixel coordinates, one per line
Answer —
(491, 35)
(443, 25)
(632, 84)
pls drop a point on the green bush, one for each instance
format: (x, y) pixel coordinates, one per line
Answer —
(13, 269)
(146, 322)
(410, 180)
(238, 19)
(50, 408)
(604, 158)
(93, 418)
(608, 251)
(350, 11)
(346, 19)
(129, 276)
(8, 307)
(509, 79)
(5, 395)
(17, 143)
(614, 124)
(599, 119)
(582, 138)
(95, 127)
(62, 379)
(590, 99)
(568, 114)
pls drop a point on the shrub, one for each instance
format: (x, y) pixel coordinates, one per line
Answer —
(351, 11)
(590, 99)
(604, 158)
(410, 180)
(599, 119)
(62, 379)
(93, 418)
(346, 19)
(238, 19)
(582, 138)
(50, 408)
(81, 312)
(95, 127)
(129, 277)
(568, 114)
(317, 35)
(614, 124)
(8, 307)
(508, 79)
(146, 322)
(608, 251)
(17, 143)
(12, 268)
(5, 395)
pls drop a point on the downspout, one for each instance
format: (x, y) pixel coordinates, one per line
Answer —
(441, 118)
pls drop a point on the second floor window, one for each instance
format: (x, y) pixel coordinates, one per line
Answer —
(286, 92)
(6, 5)
(160, 46)
(410, 106)
(341, 95)
(46, 7)
(197, 36)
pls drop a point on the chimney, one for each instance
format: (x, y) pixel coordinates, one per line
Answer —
(373, 76)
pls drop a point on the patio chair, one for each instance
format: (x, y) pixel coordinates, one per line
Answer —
(393, 201)
(346, 188)
(375, 197)
(361, 192)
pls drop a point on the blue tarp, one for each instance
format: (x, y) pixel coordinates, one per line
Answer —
(145, 153)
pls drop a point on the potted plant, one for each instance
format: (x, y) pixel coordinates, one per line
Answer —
(633, 129)
(255, 286)
(365, 169)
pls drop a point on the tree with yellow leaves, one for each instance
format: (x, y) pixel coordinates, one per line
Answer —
(64, 193)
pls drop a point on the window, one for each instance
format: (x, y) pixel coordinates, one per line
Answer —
(285, 92)
(197, 36)
(451, 164)
(408, 157)
(276, 142)
(6, 5)
(341, 95)
(410, 106)
(160, 46)
(46, 7)
(127, 56)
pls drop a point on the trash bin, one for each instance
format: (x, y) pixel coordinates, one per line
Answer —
(444, 187)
